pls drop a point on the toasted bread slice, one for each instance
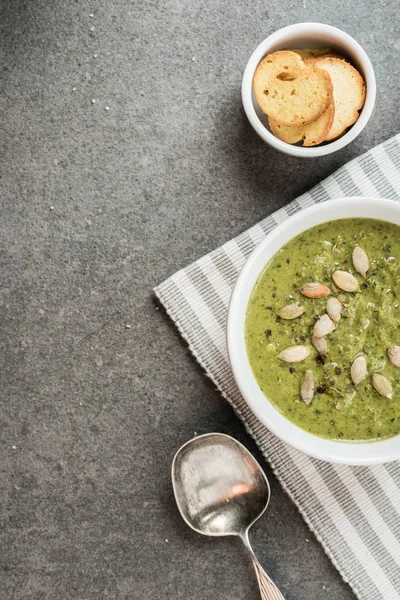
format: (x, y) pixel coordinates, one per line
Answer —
(310, 53)
(348, 92)
(307, 53)
(334, 55)
(312, 134)
(291, 91)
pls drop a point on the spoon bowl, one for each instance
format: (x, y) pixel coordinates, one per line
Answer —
(220, 489)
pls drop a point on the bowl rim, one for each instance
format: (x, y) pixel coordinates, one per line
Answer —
(308, 28)
(343, 452)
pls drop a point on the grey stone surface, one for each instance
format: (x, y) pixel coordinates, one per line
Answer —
(97, 207)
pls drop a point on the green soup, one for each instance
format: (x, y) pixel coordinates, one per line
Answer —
(370, 323)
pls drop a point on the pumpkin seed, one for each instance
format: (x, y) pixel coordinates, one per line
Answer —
(382, 385)
(345, 281)
(334, 309)
(291, 311)
(320, 344)
(307, 387)
(358, 369)
(360, 261)
(323, 326)
(294, 354)
(314, 290)
(393, 353)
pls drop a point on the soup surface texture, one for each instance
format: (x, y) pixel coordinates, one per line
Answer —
(369, 325)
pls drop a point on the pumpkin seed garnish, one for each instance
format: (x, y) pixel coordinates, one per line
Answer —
(323, 326)
(358, 369)
(334, 309)
(294, 354)
(314, 290)
(345, 281)
(393, 353)
(320, 344)
(291, 311)
(360, 261)
(307, 387)
(382, 385)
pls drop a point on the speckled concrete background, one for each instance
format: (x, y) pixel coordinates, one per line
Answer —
(97, 390)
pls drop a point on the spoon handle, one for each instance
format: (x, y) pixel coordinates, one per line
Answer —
(268, 589)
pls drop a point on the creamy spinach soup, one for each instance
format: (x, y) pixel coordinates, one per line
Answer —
(324, 356)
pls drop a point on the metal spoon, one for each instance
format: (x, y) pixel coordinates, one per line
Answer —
(220, 489)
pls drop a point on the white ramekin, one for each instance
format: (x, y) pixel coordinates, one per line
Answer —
(351, 453)
(308, 35)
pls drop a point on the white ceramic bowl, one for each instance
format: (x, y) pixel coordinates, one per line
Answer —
(351, 453)
(308, 35)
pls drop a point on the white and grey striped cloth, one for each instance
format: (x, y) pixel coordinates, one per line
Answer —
(353, 511)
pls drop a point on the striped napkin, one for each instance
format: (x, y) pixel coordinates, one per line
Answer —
(353, 511)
